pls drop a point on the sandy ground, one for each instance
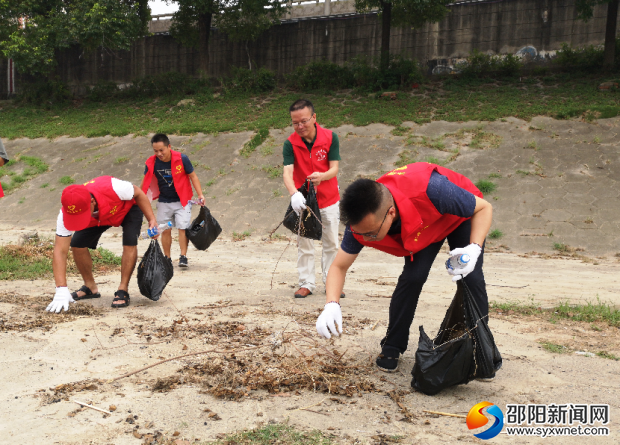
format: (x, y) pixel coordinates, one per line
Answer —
(230, 284)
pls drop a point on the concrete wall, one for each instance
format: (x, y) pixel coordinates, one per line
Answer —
(536, 27)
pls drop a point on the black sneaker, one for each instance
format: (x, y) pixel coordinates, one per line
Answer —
(182, 261)
(388, 360)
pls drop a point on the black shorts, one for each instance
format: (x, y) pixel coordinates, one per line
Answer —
(131, 230)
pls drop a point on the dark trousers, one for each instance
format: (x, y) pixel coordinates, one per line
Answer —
(405, 297)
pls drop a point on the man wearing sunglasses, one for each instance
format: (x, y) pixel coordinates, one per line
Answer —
(409, 212)
(313, 153)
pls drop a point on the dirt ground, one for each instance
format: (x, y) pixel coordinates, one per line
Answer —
(264, 362)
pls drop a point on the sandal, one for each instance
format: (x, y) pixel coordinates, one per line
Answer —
(87, 291)
(120, 295)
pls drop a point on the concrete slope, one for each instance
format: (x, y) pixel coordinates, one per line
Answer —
(559, 179)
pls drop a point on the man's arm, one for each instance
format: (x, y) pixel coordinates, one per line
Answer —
(330, 321)
(318, 177)
(336, 275)
(144, 204)
(193, 177)
(481, 221)
(59, 262)
(289, 182)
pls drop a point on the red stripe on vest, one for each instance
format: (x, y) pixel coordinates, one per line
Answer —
(422, 225)
(316, 160)
(112, 209)
(182, 185)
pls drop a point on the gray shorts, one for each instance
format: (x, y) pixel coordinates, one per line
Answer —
(180, 216)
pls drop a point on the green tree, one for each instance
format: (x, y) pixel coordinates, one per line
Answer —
(585, 11)
(33, 31)
(241, 20)
(414, 13)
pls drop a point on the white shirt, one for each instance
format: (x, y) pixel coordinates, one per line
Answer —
(123, 189)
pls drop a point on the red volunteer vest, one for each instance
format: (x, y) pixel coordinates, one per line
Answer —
(421, 223)
(317, 160)
(150, 186)
(1, 191)
(112, 209)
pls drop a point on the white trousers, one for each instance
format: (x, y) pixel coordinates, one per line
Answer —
(330, 217)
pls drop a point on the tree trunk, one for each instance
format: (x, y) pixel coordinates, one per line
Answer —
(386, 21)
(204, 31)
(610, 33)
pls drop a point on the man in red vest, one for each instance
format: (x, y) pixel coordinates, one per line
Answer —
(3, 160)
(167, 177)
(409, 212)
(89, 210)
(313, 153)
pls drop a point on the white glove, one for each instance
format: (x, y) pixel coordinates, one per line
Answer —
(329, 318)
(298, 202)
(473, 250)
(61, 300)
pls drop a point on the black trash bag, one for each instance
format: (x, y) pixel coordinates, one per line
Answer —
(204, 229)
(488, 358)
(311, 226)
(446, 360)
(154, 272)
(464, 348)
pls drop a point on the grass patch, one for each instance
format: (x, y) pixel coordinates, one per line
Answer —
(31, 167)
(590, 312)
(236, 236)
(433, 160)
(273, 171)
(121, 160)
(532, 145)
(258, 139)
(32, 260)
(406, 157)
(486, 186)
(400, 131)
(460, 101)
(42, 186)
(495, 175)
(483, 140)
(607, 355)
(66, 180)
(496, 234)
(277, 434)
(552, 347)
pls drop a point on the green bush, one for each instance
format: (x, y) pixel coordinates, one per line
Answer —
(166, 84)
(589, 58)
(361, 72)
(102, 90)
(320, 75)
(480, 64)
(44, 92)
(250, 81)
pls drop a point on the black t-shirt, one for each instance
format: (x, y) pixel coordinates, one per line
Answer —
(163, 172)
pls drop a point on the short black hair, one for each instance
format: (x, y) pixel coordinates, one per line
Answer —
(300, 104)
(362, 197)
(160, 137)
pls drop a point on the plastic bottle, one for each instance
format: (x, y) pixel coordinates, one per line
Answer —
(196, 201)
(457, 261)
(150, 233)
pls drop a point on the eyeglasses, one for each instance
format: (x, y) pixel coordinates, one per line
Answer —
(370, 234)
(302, 123)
